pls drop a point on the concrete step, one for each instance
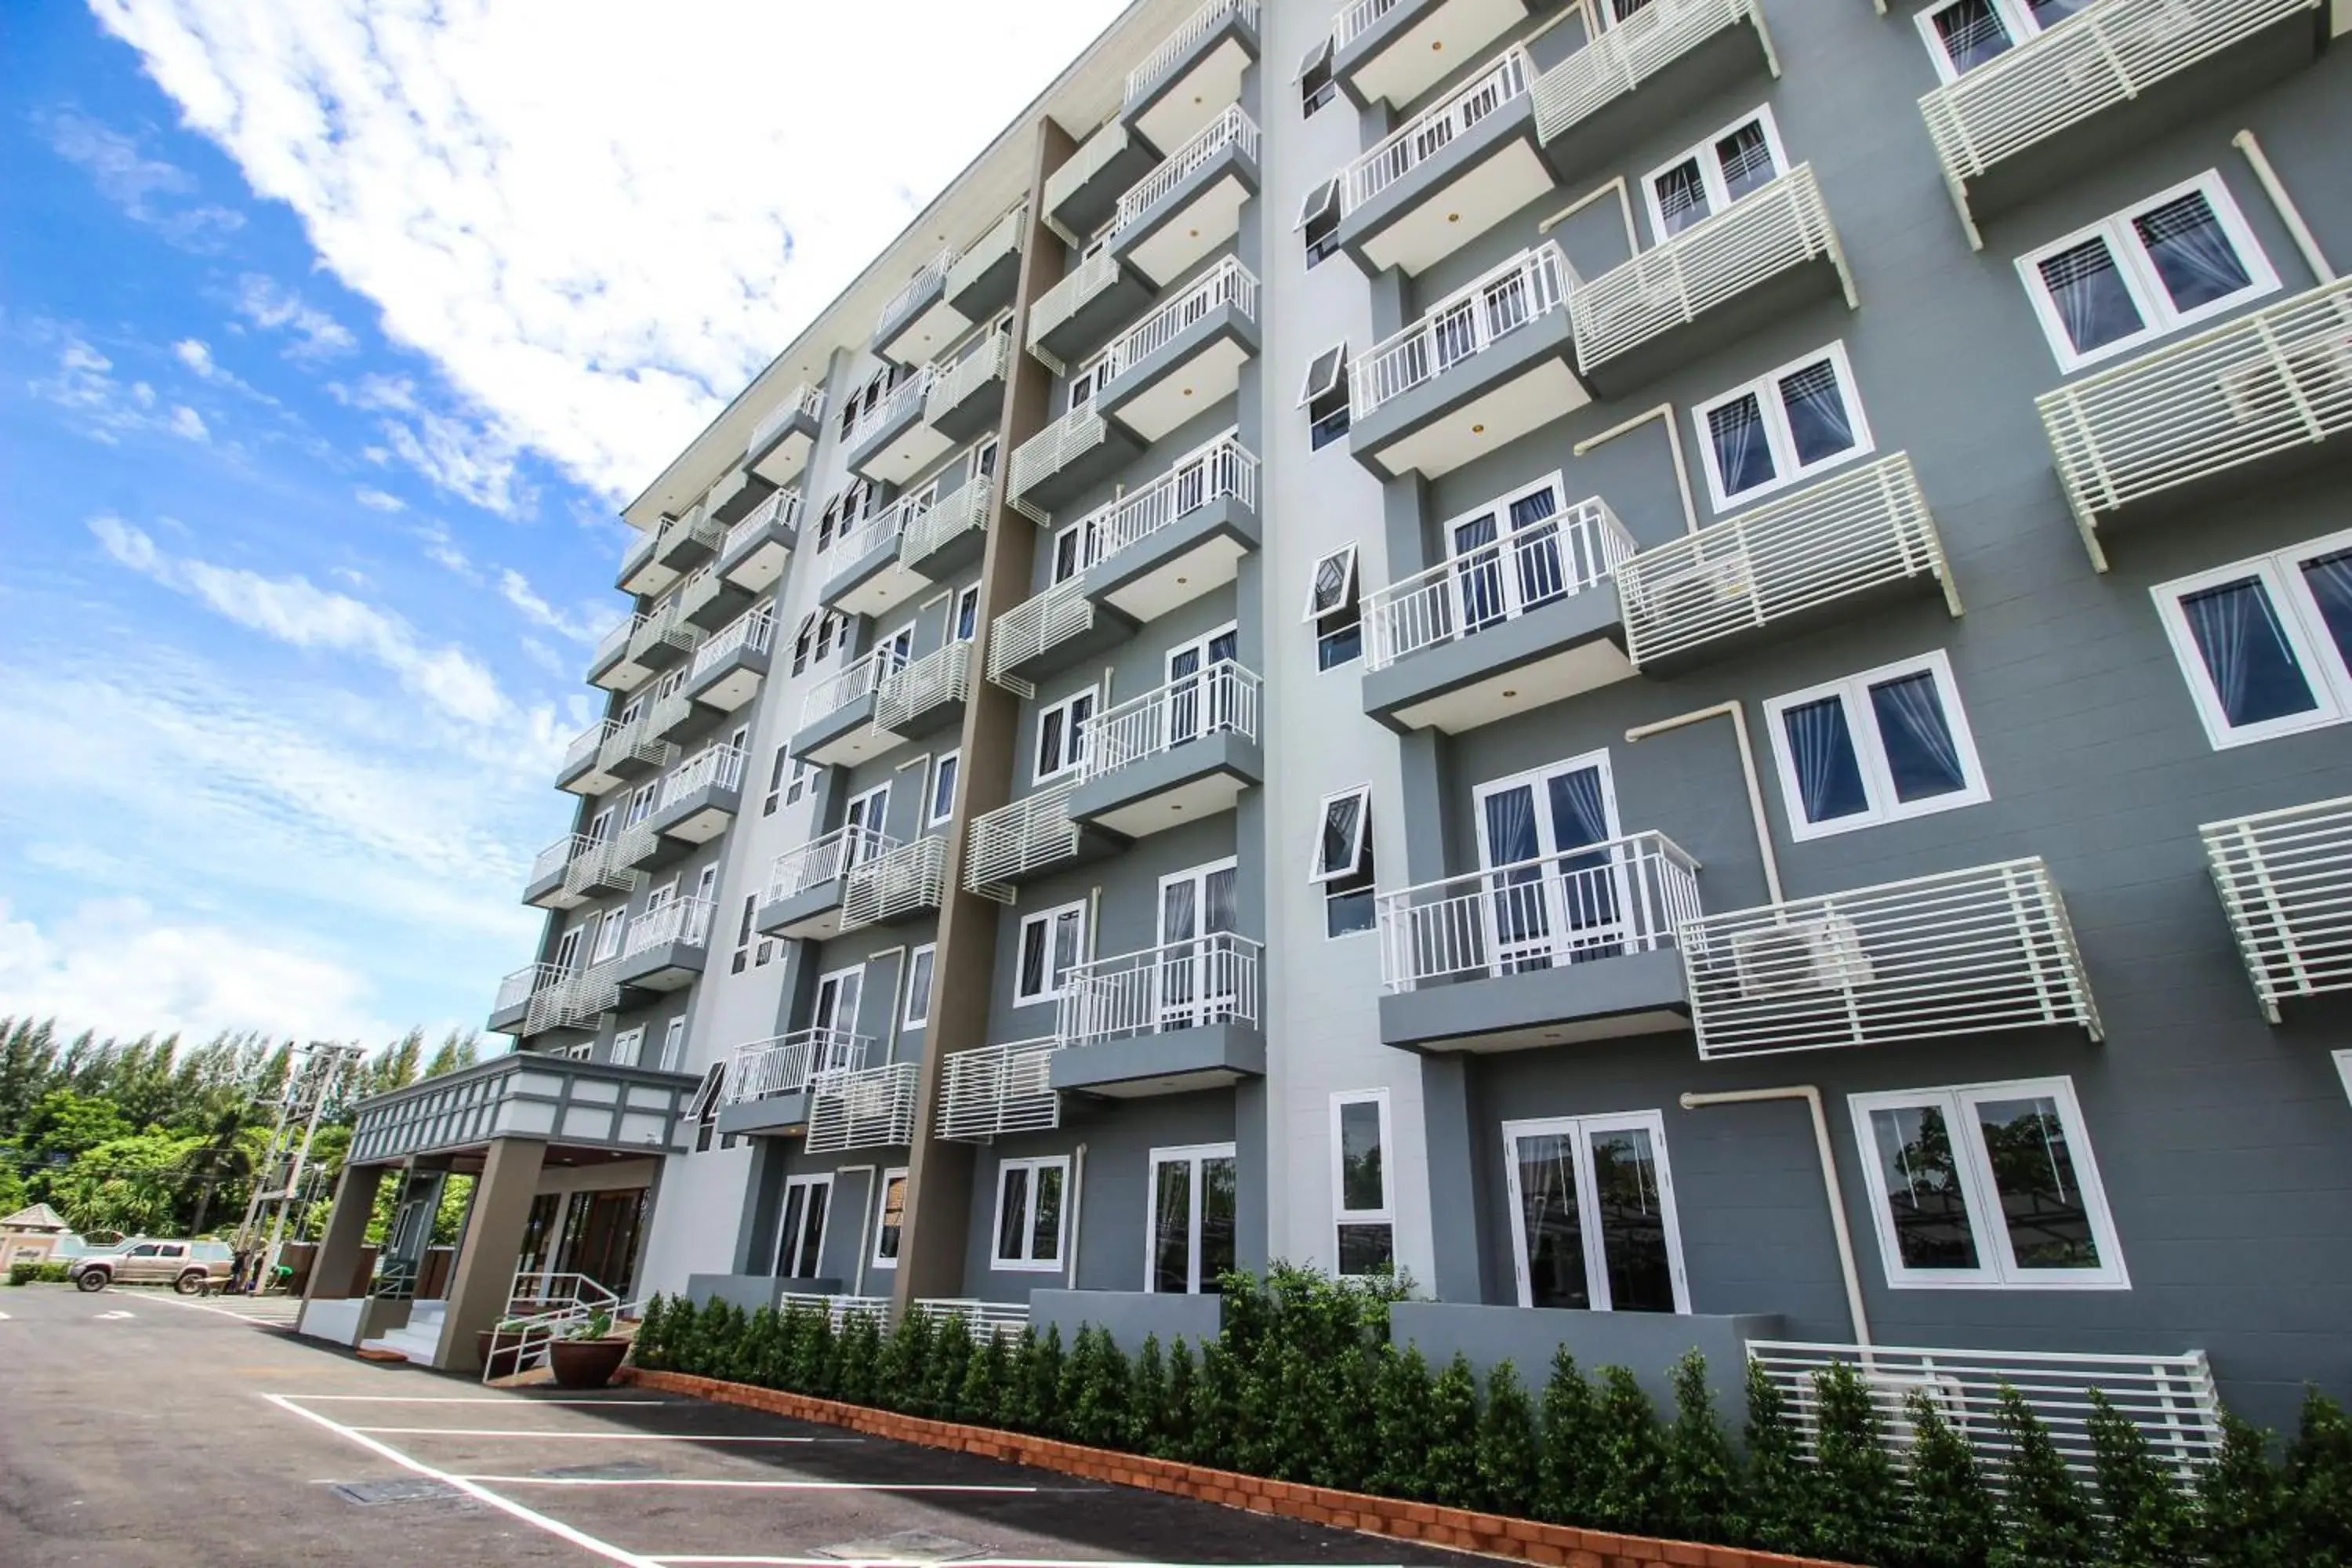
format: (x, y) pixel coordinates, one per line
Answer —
(417, 1346)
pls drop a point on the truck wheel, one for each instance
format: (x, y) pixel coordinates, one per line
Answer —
(191, 1283)
(90, 1280)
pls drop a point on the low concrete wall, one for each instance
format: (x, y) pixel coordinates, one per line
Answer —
(1646, 1344)
(1129, 1315)
(334, 1318)
(753, 1291)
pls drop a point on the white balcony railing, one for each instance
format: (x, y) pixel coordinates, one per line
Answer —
(683, 921)
(713, 767)
(551, 860)
(1353, 20)
(1226, 283)
(635, 844)
(1004, 239)
(1600, 901)
(754, 629)
(1232, 128)
(609, 646)
(948, 387)
(597, 869)
(900, 308)
(1224, 467)
(1628, 53)
(801, 399)
(1854, 532)
(932, 524)
(847, 685)
(1222, 700)
(785, 1064)
(1064, 299)
(584, 747)
(824, 859)
(1183, 984)
(782, 509)
(1960, 952)
(905, 400)
(989, 1090)
(1035, 625)
(838, 1310)
(981, 1320)
(1173, 47)
(2102, 55)
(634, 742)
(1096, 152)
(1481, 589)
(1054, 448)
(585, 998)
(1429, 133)
(898, 881)
(663, 626)
(640, 552)
(1015, 839)
(943, 675)
(868, 1108)
(1772, 229)
(2171, 1398)
(1528, 286)
(668, 714)
(696, 525)
(2285, 879)
(879, 532)
(2276, 379)
(516, 989)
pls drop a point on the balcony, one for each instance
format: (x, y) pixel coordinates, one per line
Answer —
(2174, 425)
(892, 442)
(639, 846)
(1502, 629)
(1483, 368)
(781, 441)
(756, 549)
(671, 717)
(665, 947)
(2285, 882)
(610, 667)
(1172, 755)
(640, 572)
(1191, 203)
(585, 1000)
(1399, 49)
(1029, 837)
(1558, 950)
(868, 1108)
(837, 715)
(983, 281)
(597, 872)
(510, 1011)
(1084, 308)
(686, 542)
(861, 574)
(1050, 632)
(543, 886)
(631, 752)
(579, 772)
(941, 537)
(1068, 458)
(907, 879)
(1681, 51)
(732, 499)
(1447, 175)
(1168, 1020)
(580, 1106)
(660, 637)
(701, 796)
(918, 322)
(1179, 537)
(1194, 73)
(1718, 280)
(988, 1091)
(925, 697)
(1802, 559)
(767, 1081)
(708, 601)
(968, 395)
(1083, 193)
(804, 885)
(1184, 358)
(2105, 80)
(728, 669)
(1961, 953)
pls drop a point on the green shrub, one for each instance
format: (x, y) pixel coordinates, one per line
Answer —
(2317, 1485)
(1401, 1399)
(1507, 1450)
(1702, 1483)
(648, 1350)
(1012, 1388)
(36, 1271)
(1951, 1519)
(2241, 1503)
(1215, 1395)
(1630, 1491)
(1779, 1482)
(2045, 1522)
(1565, 1477)
(1146, 1400)
(951, 1352)
(810, 1356)
(1041, 1383)
(2145, 1519)
(1853, 1483)
(677, 1341)
(1178, 1439)
(1346, 1408)
(1450, 1469)
(902, 1371)
(761, 1359)
(860, 1346)
(1094, 1394)
(985, 1375)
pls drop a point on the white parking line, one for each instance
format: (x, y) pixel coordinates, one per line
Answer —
(754, 1486)
(473, 1399)
(225, 1313)
(472, 1488)
(958, 1563)
(587, 1437)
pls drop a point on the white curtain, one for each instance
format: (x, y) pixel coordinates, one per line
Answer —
(1822, 748)
(2236, 630)
(1741, 454)
(2192, 255)
(1911, 709)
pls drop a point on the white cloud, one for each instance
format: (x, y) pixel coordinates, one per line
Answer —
(569, 220)
(468, 457)
(146, 188)
(186, 421)
(583, 625)
(198, 355)
(84, 386)
(272, 307)
(380, 501)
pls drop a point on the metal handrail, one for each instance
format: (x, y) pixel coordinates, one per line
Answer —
(1221, 700)
(786, 1064)
(587, 743)
(1051, 450)
(1224, 467)
(801, 399)
(520, 986)
(1623, 56)
(685, 921)
(1195, 28)
(550, 860)
(754, 628)
(1018, 838)
(863, 1108)
(1540, 563)
(898, 881)
(939, 520)
(1521, 290)
(901, 304)
(1060, 302)
(2285, 882)
(616, 638)
(1428, 133)
(906, 398)
(1003, 235)
(959, 381)
(782, 507)
(847, 685)
(1353, 20)
(943, 675)
(1203, 979)
(1038, 623)
(824, 858)
(1230, 128)
(1228, 283)
(719, 765)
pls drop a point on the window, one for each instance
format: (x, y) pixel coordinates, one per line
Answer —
(777, 768)
(1029, 1196)
(1342, 862)
(608, 941)
(743, 935)
(919, 985)
(1964, 34)
(1316, 87)
(1076, 548)
(1740, 158)
(800, 1230)
(1359, 1183)
(2178, 257)
(1880, 746)
(628, 1046)
(863, 819)
(641, 804)
(944, 768)
(1596, 1209)
(1987, 1185)
(703, 1108)
(966, 624)
(1190, 1241)
(1325, 397)
(1052, 943)
(2266, 644)
(674, 1045)
(1318, 221)
(890, 1223)
(1783, 427)
(600, 827)
(1062, 734)
(1333, 609)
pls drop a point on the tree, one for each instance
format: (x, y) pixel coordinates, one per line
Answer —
(1951, 1518)
(1507, 1450)
(1629, 1493)
(1853, 1490)
(130, 1183)
(2318, 1484)
(1565, 1475)
(2144, 1521)
(2045, 1522)
(457, 1053)
(1701, 1482)
(1779, 1483)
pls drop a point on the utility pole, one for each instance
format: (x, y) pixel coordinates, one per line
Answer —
(279, 1188)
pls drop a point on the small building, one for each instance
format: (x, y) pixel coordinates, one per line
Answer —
(35, 1235)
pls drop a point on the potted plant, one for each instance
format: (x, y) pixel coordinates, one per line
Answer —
(587, 1354)
(508, 1335)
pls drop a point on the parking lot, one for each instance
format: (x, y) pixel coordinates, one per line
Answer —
(142, 1428)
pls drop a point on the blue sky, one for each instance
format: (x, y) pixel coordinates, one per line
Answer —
(326, 355)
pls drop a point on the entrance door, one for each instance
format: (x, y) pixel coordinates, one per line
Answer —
(1506, 558)
(1192, 1230)
(799, 1233)
(1198, 701)
(896, 648)
(1548, 899)
(834, 1018)
(863, 822)
(600, 1237)
(1198, 980)
(567, 947)
(1596, 1207)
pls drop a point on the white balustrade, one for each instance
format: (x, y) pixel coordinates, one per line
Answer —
(2285, 882)
(551, 860)
(609, 646)
(898, 881)
(713, 767)
(586, 744)
(1018, 838)
(1622, 56)
(935, 522)
(1352, 21)
(1429, 133)
(785, 1064)
(1540, 564)
(1098, 151)
(943, 675)
(1528, 286)
(754, 629)
(780, 509)
(903, 401)
(1035, 625)
(990, 1319)
(686, 922)
(1173, 47)
(1182, 985)
(801, 399)
(1222, 700)
(838, 1310)
(949, 388)
(516, 989)
(1224, 467)
(1228, 283)
(1003, 237)
(847, 685)
(868, 1107)
(824, 859)
(989, 1090)
(1232, 128)
(1064, 299)
(901, 305)
(1054, 448)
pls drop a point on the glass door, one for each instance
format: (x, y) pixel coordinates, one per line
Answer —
(1595, 1203)
(1192, 1231)
(862, 827)
(1550, 901)
(800, 1232)
(834, 1017)
(1197, 703)
(1506, 559)
(1197, 981)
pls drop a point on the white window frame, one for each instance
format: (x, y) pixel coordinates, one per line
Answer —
(911, 1019)
(1317, 871)
(2139, 276)
(1192, 1154)
(1710, 171)
(1068, 759)
(641, 803)
(1341, 1214)
(1351, 600)
(1779, 440)
(673, 1044)
(1997, 1266)
(746, 929)
(1870, 749)
(600, 826)
(896, 1177)
(2016, 17)
(1045, 920)
(783, 1205)
(608, 938)
(1027, 1262)
(1347, 586)
(2343, 1071)
(873, 820)
(1596, 1262)
(2321, 661)
(950, 765)
(966, 596)
(628, 1046)
(1312, 386)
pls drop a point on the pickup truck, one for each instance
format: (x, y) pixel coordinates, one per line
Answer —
(187, 1266)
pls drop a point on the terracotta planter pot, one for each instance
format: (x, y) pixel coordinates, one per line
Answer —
(508, 1354)
(585, 1363)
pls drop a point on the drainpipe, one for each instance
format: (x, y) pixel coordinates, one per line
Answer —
(1746, 766)
(1663, 411)
(1812, 1098)
(857, 1279)
(1077, 1188)
(2289, 215)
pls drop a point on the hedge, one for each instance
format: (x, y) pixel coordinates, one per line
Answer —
(1302, 1385)
(36, 1271)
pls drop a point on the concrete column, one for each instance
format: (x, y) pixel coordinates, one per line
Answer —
(486, 1252)
(1458, 1220)
(346, 1237)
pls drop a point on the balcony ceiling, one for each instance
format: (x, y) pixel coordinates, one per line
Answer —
(1450, 36)
(1450, 218)
(1526, 403)
(1188, 105)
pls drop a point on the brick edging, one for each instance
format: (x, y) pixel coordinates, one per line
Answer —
(1555, 1546)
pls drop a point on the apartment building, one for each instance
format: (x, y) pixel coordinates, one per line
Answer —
(1679, 666)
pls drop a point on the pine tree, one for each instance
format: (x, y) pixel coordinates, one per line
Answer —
(1951, 1519)
(1401, 1399)
(1214, 1396)
(1853, 1485)
(1146, 1413)
(1564, 1481)
(1779, 1483)
(1702, 1481)
(1094, 1391)
(2317, 1485)
(981, 1400)
(1012, 1388)
(2045, 1523)
(853, 1372)
(1507, 1449)
(1629, 1458)
(1178, 1439)
(1450, 1470)
(1348, 1417)
(1041, 1391)
(904, 1365)
(2146, 1522)
(2241, 1506)
(943, 1379)
(761, 1360)
(681, 1335)
(817, 1352)
(646, 1351)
